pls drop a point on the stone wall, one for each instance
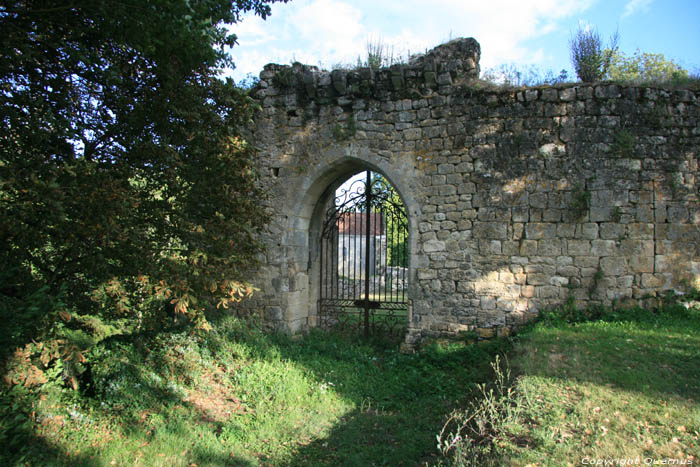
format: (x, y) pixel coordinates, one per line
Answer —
(517, 198)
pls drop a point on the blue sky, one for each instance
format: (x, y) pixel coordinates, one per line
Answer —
(523, 32)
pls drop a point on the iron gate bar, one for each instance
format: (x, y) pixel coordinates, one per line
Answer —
(368, 211)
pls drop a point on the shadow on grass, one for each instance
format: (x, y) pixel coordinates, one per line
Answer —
(397, 402)
(401, 401)
(27, 448)
(653, 353)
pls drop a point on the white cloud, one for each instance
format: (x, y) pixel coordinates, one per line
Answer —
(635, 6)
(328, 29)
(335, 31)
(252, 32)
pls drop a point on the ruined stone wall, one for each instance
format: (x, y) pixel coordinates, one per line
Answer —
(517, 198)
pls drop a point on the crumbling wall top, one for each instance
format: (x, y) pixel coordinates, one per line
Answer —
(455, 62)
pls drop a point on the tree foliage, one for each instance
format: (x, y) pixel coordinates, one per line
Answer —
(389, 201)
(644, 66)
(512, 74)
(125, 184)
(590, 60)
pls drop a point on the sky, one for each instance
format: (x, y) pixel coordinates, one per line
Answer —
(526, 33)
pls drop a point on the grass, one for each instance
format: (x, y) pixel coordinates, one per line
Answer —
(586, 384)
(623, 386)
(237, 396)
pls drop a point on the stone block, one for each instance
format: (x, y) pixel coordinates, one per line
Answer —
(547, 291)
(550, 247)
(566, 230)
(677, 214)
(612, 231)
(528, 247)
(588, 231)
(520, 214)
(490, 230)
(587, 261)
(613, 265)
(567, 95)
(538, 200)
(638, 264)
(640, 231)
(559, 281)
(537, 279)
(539, 230)
(432, 246)
(603, 248)
(551, 215)
(659, 281)
(510, 248)
(578, 247)
(503, 331)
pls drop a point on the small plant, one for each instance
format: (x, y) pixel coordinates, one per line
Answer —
(623, 146)
(379, 56)
(595, 281)
(580, 201)
(590, 60)
(284, 79)
(616, 214)
(341, 133)
(472, 436)
(674, 183)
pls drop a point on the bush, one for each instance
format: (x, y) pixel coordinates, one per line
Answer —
(591, 62)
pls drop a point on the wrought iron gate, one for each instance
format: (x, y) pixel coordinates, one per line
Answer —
(364, 259)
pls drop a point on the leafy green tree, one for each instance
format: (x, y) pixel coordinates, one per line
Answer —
(388, 200)
(590, 60)
(124, 181)
(644, 66)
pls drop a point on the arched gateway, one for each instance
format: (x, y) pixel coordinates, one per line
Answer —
(515, 199)
(364, 258)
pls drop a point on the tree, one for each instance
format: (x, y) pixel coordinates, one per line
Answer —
(124, 181)
(590, 60)
(386, 199)
(644, 66)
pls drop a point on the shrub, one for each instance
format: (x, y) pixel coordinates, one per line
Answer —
(591, 62)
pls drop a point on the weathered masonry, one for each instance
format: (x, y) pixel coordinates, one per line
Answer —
(516, 198)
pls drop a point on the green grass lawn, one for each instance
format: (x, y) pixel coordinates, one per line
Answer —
(236, 396)
(625, 388)
(610, 389)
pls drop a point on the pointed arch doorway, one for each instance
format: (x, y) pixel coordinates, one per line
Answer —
(364, 249)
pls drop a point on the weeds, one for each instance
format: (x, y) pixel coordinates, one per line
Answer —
(341, 133)
(379, 55)
(616, 214)
(470, 437)
(595, 281)
(623, 146)
(284, 79)
(580, 201)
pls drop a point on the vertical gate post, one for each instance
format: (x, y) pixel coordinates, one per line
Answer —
(368, 232)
